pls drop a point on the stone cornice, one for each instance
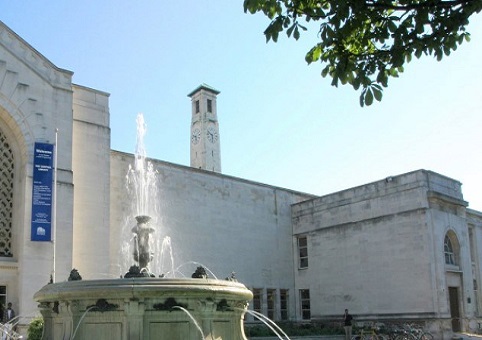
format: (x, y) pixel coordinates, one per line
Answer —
(346, 224)
(8, 265)
(436, 196)
(474, 217)
(18, 47)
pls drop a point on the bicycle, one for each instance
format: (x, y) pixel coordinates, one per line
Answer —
(369, 335)
(414, 333)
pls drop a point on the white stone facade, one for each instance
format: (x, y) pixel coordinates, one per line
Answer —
(403, 247)
(378, 250)
(91, 147)
(35, 100)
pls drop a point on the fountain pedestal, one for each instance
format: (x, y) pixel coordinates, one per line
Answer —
(142, 230)
(144, 308)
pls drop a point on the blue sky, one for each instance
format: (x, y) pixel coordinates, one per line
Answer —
(281, 123)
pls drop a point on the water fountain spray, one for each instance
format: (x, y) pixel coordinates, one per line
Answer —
(142, 187)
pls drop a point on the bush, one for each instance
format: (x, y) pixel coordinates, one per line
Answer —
(35, 329)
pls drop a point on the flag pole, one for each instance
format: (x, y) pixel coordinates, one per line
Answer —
(54, 217)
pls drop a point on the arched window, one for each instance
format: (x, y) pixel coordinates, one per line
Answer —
(6, 196)
(451, 249)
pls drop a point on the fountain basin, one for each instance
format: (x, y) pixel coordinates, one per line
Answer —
(143, 308)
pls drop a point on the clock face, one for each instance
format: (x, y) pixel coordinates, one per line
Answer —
(212, 134)
(196, 136)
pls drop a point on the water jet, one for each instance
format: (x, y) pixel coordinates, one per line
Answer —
(139, 305)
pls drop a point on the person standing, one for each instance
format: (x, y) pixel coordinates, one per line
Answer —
(8, 315)
(347, 324)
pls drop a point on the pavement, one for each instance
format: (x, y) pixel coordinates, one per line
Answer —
(466, 336)
(456, 336)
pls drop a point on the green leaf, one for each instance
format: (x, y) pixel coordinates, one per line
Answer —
(324, 73)
(378, 93)
(362, 97)
(290, 30)
(392, 27)
(356, 83)
(369, 97)
(296, 35)
(314, 54)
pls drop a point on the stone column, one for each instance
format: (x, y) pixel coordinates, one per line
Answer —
(73, 318)
(46, 311)
(207, 308)
(134, 310)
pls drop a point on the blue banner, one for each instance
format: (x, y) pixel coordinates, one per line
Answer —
(42, 192)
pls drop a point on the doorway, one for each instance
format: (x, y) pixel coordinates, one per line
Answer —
(454, 308)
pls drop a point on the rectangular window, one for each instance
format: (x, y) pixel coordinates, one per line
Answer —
(257, 299)
(3, 298)
(271, 301)
(305, 304)
(283, 297)
(197, 106)
(472, 244)
(210, 105)
(303, 252)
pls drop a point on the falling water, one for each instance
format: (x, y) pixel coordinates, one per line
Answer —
(166, 258)
(7, 330)
(193, 320)
(267, 321)
(80, 321)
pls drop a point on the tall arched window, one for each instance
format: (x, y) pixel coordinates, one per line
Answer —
(6, 196)
(451, 249)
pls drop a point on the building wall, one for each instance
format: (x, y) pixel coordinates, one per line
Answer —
(378, 250)
(91, 171)
(35, 100)
(474, 219)
(448, 216)
(225, 223)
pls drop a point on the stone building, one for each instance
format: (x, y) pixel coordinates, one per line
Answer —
(403, 247)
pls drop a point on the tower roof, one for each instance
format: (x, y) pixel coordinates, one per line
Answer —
(206, 87)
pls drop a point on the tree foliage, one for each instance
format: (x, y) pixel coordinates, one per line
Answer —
(365, 42)
(35, 329)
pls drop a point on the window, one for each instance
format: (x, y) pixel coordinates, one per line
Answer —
(283, 297)
(3, 298)
(197, 106)
(271, 300)
(302, 252)
(305, 304)
(472, 244)
(6, 196)
(449, 251)
(257, 298)
(210, 105)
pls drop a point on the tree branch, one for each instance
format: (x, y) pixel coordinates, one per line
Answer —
(426, 4)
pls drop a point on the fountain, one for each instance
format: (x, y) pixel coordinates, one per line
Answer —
(139, 305)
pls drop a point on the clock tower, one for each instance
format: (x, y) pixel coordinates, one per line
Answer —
(205, 144)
